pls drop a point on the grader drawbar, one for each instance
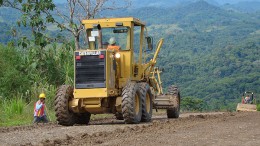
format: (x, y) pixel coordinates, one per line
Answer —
(115, 81)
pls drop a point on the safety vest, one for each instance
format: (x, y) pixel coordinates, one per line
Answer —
(116, 48)
(40, 112)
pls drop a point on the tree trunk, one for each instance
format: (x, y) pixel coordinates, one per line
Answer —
(76, 38)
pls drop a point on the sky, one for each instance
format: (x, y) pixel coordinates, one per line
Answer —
(219, 1)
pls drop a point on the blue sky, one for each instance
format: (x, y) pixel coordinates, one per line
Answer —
(219, 1)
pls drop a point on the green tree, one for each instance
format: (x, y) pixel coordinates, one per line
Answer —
(35, 14)
(84, 9)
(192, 104)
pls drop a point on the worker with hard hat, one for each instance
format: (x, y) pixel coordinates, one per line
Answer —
(40, 110)
(112, 44)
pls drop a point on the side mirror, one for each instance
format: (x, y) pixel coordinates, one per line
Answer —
(149, 42)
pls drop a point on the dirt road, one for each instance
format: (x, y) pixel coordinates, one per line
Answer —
(217, 129)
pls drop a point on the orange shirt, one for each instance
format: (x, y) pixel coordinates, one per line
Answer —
(116, 48)
(39, 109)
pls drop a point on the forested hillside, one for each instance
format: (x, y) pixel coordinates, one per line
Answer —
(249, 7)
(213, 54)
(210, 52)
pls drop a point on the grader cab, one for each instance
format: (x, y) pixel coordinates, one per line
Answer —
(115, 81)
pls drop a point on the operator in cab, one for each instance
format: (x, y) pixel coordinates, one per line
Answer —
(112, 44)
(247, 99)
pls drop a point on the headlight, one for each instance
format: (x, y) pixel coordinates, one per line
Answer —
(117, 55)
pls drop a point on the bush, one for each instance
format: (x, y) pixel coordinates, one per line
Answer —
(192, 104)
(13, 79)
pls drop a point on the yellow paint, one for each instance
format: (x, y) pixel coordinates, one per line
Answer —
(110, 22)
(90, 93)
(92, 100)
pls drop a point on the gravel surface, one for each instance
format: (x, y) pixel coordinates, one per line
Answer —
(217, 129)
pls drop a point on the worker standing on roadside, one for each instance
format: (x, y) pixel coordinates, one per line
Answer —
(40, 110)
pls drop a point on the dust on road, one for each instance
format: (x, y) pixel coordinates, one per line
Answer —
(217, 129)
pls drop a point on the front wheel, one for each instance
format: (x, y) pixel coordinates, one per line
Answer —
(147, 105)
(174, 112)
(131, 103)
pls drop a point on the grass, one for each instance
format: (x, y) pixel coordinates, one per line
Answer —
(258, 107)
(14, 106)
(17, 112)
(12, 112)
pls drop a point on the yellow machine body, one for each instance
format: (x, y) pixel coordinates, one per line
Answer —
(115, 78)
(127, 68)
(117, 71)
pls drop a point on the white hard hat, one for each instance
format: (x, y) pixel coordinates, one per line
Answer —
(112, 41)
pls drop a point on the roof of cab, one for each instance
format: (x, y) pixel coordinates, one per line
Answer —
(136, 21)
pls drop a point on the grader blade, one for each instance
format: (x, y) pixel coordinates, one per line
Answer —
(165, 102)
(246, 107)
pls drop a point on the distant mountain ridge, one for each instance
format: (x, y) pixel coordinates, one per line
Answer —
(170, 3)
(239, 5)
(249, 7)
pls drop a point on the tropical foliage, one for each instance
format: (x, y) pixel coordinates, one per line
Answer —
(25, 73)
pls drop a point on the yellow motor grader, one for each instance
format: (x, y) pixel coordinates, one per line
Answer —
(248, 102)
(115, 81)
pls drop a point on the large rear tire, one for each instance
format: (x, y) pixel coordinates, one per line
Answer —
(64, 115)
(147, 105)
(131, 103)
(174, 112)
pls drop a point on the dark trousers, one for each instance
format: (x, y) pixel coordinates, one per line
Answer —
(40, 119)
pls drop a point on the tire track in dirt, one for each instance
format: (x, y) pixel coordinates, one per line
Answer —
(114, 132)
(121, 135)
